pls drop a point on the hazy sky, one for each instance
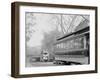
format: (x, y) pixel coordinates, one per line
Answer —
(45, 23)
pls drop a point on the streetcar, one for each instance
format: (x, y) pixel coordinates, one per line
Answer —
(45, 56)
(73, 48)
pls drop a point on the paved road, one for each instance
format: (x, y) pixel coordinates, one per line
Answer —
(38, 64)
(35, 64)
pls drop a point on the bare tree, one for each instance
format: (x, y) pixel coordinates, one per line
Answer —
(30, 23)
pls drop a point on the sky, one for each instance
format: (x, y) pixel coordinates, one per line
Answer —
(45, 23)
(42, 26)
